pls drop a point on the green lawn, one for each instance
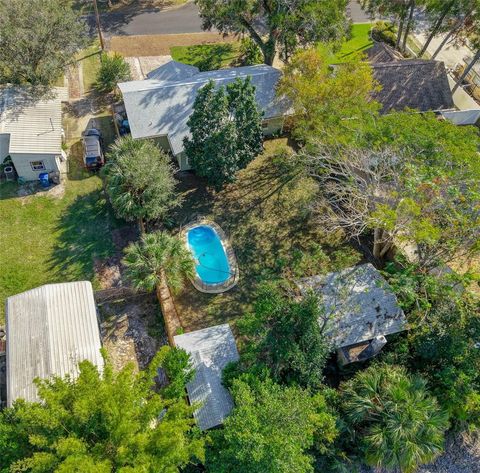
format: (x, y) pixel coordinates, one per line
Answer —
(208, 57)
(90, 60)
(49, 239)
(357, 44)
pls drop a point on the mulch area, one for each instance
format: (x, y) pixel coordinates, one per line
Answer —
(157, 45)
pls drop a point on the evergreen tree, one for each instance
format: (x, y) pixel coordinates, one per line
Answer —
(226, 131)
(100, 423)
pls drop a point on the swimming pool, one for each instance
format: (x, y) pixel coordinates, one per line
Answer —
(215, 263)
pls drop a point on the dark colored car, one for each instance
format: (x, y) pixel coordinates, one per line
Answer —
(93, 157)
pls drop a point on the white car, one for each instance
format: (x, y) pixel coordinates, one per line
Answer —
(93, 157)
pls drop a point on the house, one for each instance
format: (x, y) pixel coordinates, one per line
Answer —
(210, 350)
(49, 330)
(159, 106)
(409, 83)
(358, 311)
(31, 131)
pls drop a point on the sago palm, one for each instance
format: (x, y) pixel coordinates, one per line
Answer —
(156, 256)
(399, 425)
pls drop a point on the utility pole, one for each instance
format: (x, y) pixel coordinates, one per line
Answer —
(97, 18)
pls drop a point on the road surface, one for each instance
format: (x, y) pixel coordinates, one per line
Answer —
(184, 19)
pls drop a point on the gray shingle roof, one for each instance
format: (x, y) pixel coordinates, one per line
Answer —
(161, 107)
(417, 84)
(382, 52)
(50, 329)
(211, 349)
(172, 71)
(358, 305)
(34, 125)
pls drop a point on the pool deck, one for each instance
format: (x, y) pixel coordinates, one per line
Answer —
(232, 260)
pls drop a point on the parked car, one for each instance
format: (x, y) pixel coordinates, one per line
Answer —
(93, 156)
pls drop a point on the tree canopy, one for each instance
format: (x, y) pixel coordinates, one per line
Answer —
(226, 131)
(327, 104)
(38, 39)
(99, 423)
(139, 180)
(277, 26)
(271, 429)
(396, 423)
(156, 256)
(286, 337)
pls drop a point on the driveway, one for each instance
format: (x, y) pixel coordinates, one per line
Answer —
(184, 19)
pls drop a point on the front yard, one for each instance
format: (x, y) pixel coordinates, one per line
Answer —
(267, 217)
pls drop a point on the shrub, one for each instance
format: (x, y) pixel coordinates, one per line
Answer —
(385, 32)
(113, 69)
(250, 53)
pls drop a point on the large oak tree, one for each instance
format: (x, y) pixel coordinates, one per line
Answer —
(277, 26)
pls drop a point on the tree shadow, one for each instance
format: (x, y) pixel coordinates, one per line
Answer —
(208, 57)
(84, 236)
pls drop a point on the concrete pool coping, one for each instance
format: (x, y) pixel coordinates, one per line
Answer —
(215, 288)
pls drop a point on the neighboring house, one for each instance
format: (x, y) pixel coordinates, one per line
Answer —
(210, 350)
(409, 83)
(31, 131)
(159, 106)
(358, 310)
(49, 329)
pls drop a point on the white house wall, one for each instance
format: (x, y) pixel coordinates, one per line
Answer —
(22, 163)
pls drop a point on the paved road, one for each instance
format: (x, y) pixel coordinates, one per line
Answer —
(184, 19)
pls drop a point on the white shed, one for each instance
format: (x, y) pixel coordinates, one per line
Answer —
(210, 349)
(50, 329)
(31, 130)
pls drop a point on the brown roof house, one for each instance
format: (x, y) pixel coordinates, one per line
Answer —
(359, 311)
(409, 83)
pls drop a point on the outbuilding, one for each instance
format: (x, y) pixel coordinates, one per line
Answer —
(50, 329)
(210, 350)
(31, 131)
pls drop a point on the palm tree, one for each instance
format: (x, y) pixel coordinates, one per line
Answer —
(139, 181)
(158, 261)
(399, 425)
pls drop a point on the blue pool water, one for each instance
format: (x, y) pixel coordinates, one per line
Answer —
(212, 263)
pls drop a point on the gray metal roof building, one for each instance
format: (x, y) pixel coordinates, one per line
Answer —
(162, 104)
(358, 305)
(31, 125)
(50, 329)
(210, 349)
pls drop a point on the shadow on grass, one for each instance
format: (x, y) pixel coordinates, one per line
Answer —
(207, 57)
(84, 236)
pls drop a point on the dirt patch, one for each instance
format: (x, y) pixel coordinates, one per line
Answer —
(132, 329)
(159, 45)
(29, 189)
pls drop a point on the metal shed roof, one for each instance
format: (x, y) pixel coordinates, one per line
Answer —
(211, 349)
(50, 329)
(162, 107)
(358, 305)
(34, 125)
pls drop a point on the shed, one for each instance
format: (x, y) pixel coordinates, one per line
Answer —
(160, 106)
(50, 329)
(359, 308)
(31, 130)
(210, 349)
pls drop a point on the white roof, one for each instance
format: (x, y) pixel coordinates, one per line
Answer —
(210, 349)
(50, 329)
(358, 305)
(173, 70)
(162, 107)
(34, 125)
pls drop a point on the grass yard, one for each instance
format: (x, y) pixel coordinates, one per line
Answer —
(266, 215)
(208, 57)
(358, 43)
(46, 239)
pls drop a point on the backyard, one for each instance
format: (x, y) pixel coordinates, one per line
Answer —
(266, 215)
(359, 43)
